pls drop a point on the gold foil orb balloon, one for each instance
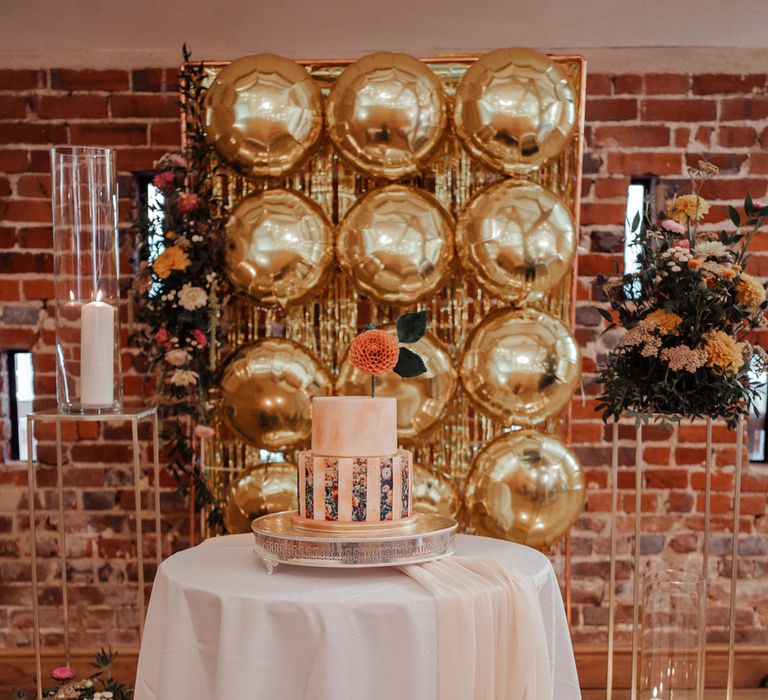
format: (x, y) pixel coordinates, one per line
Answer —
(517, 239)
(266, 390)
(421, 400)
(269, 487)
(279, 247)
(434, 492)
(526, 487)
(386, 114)
(514, 109)
(520, 366)
(263, 114)
(397, 245)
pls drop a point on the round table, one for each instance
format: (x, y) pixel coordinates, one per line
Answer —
(218, 627)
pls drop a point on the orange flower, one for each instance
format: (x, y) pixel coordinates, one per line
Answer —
(724, 354)
(172, 258)
(750, 292)
(694, 264)
(374, 352)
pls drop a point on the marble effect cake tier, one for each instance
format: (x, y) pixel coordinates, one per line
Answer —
(355, 489)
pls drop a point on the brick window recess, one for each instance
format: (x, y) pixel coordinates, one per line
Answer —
(637, 126)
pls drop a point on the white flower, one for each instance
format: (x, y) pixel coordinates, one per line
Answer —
(192, 298)
(676, 268)
(183, 377)
(710, 249)
(177, 357)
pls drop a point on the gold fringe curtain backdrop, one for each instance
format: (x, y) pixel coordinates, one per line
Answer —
(327, 324)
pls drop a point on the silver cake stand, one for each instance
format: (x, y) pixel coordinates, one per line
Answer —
(280, 541)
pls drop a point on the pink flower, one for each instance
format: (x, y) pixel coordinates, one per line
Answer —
(683, 243)
(204, 431)
(162, 337)
(164, 181)
(177, 160)
(62, 673)
(199, 336)
(188, 202)
(672, 226)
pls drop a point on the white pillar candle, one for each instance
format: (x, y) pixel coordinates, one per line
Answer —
(97, 354)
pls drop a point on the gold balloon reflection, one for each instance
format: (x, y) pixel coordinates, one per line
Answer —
(269, 487)
(526, 487)
(520, 366)
(386, 114)
(279, 247)
(263, 114)
(397, 244)
(267, 388)
(517, 239)
(422, 400)
(514, 109)
(434, 492)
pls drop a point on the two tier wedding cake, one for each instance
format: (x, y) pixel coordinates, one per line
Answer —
(354, 472)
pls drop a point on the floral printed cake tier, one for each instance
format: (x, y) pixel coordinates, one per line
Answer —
(355, 489)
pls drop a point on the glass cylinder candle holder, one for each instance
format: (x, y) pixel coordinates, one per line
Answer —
(86, 279)
(671, 635)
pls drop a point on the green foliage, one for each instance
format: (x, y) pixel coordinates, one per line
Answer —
(411, 327)
(409, 364)
(87, 688)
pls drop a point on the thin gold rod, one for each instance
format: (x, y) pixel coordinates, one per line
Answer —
(204, 475)
(636, 573)
(612, 576)
(33, 552)
(567, 575)
(705, 564)
(62, 541)
(139, 534)
(156, 458)
(735, 556)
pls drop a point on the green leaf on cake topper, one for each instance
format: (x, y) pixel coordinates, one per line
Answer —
(411, 327)
(409, 364)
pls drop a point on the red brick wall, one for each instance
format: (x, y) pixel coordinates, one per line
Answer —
(636, 125)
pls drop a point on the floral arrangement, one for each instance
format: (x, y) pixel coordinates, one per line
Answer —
(687, 313)
(377, 352)
(98, 686)
(177, 294)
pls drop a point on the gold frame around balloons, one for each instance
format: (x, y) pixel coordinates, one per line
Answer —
(327, 325)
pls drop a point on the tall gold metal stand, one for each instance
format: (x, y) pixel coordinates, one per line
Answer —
(134, 416)
(739, 464)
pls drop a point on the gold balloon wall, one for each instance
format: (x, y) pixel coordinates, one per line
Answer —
(409, 188)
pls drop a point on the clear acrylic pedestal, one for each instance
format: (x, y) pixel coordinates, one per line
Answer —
(134, 416)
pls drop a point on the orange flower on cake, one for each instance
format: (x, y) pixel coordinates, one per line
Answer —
(374, 352)
(724, 354)
(666, 322)
(688, 208)
(172, 258)
(749, 292)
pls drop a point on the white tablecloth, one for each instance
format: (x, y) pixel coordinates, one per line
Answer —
(220, 628)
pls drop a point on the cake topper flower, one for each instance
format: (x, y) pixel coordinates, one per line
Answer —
(377, 352)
